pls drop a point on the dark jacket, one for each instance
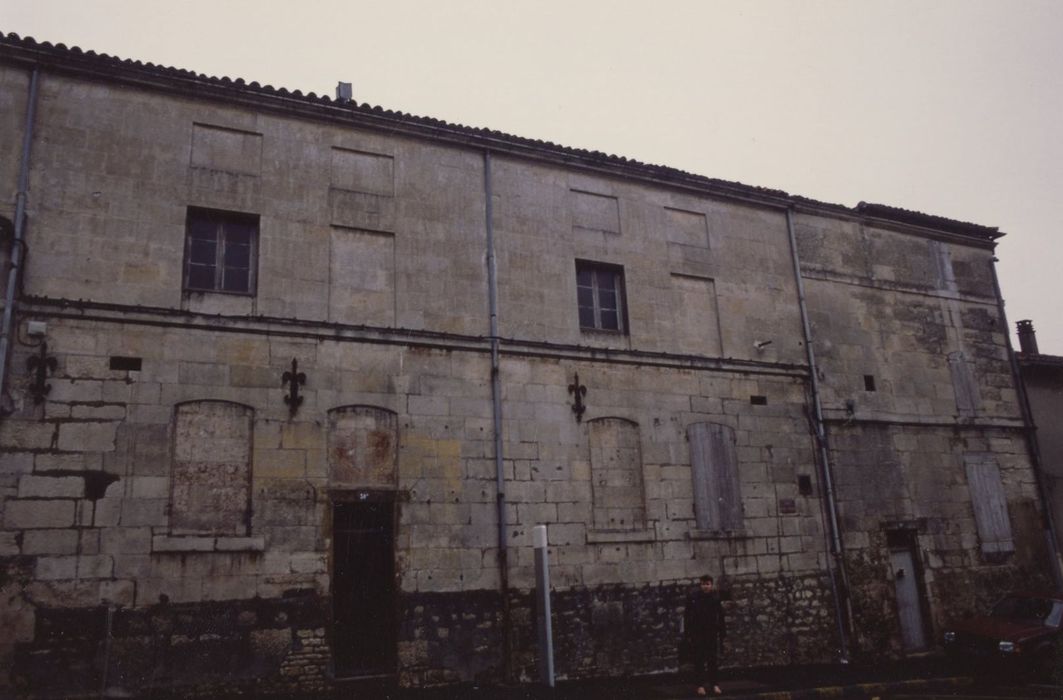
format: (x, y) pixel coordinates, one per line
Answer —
(703, 619)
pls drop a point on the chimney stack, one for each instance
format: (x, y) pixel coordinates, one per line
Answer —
(343, 92)
(1027, 338)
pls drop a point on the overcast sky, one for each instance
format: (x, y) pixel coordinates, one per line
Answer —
(951, 108)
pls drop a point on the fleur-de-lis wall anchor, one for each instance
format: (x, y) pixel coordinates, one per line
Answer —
(41, 365)
(579, 391)
(294, 379)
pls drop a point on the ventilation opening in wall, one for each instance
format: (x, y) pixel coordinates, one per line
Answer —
(804, 484)
(127, 364)
(869, 382)
(757, 400)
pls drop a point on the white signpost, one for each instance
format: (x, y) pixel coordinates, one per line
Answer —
(542, 597)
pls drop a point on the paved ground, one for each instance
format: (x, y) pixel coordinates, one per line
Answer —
(912, 677)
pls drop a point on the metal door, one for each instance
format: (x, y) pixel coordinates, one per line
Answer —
(909, 607)
(363, 586)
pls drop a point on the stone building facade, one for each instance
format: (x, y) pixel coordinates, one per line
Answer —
(1042, 378)
(290, 379)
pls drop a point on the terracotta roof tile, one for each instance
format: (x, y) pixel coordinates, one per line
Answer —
(10, 44)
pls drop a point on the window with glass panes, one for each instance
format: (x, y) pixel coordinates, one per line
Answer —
(220, 251)
(600, 295)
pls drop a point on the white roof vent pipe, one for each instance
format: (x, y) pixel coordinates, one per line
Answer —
(343, 92)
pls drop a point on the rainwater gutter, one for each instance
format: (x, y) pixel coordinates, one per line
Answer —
(496, 413)
(17, 241)
(838, 579)
(1032, 444)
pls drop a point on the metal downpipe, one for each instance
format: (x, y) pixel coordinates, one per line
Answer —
(496, 413)
(17, 241)
(1032, 444)
(824, 457)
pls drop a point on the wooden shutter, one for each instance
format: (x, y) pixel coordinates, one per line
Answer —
(990, 504)
(963, 383)
(717, 498)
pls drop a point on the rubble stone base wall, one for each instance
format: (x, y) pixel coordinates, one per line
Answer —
(612, 630)
(185, 649)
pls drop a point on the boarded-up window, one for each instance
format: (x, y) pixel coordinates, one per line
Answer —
(990, 505)
(714, 464)
(363, 446)
(595, 212)
(963, 383)
(211, 480)
(616, 475)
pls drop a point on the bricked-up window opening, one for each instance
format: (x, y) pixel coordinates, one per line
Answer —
(210, 492)
(714, 468)
(600, 296)
(363, 446)
(869, 382)
(616, 475)
(990, 505)
(220, 251)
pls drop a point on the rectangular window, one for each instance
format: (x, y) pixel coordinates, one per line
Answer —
(220, 251)
(600, 296)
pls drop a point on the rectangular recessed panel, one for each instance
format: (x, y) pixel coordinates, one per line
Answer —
(595, 212)
(362, 210)
(373, 173)
(229, 150)
(362, 289)
(686, 228)
(697, 317)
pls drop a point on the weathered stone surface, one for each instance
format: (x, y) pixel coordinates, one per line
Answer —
(363, 446)
(37, 513)
(193, 480)
(39, 486)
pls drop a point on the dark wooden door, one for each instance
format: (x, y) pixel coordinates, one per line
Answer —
(363, 586)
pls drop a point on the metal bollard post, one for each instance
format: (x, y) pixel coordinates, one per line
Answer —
(542, 596)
